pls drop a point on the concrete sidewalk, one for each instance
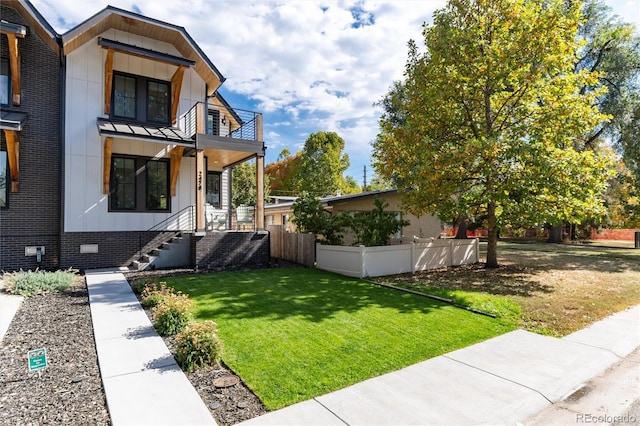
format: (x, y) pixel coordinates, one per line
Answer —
(9, 305)
(505, 380)
(142, 382)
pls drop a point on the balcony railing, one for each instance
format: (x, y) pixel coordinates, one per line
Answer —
(238, 123)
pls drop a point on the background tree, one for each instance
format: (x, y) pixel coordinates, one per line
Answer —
(284, 173)
(323, 164)
(243, 184)
(613, 51)
(489, 126)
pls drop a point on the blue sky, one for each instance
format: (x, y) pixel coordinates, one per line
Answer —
(307, 65)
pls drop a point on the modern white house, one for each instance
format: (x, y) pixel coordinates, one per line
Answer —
(148, 148)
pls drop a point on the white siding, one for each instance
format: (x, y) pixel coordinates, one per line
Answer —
(86, 207)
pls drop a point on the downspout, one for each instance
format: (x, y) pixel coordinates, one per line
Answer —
(62, 140)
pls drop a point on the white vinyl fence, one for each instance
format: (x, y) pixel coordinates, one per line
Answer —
(378, 261)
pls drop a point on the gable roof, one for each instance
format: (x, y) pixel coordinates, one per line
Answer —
(36, 22)
(122, 20)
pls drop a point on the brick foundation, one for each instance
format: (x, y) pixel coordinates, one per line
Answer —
(224, 249)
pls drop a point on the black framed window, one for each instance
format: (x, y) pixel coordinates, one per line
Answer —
(123, 184)
(157, 102)
(213, 189)
(4, 180)
(5, 81)
(124, 96)
(213, 122)
(141, 99)
(139, 184)
(157, 185)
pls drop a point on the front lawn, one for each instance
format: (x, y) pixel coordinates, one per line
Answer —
(293, 334)
(559, 288)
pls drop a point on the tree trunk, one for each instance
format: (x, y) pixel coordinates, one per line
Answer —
(461, 234)
(555, 234)
(492, 245)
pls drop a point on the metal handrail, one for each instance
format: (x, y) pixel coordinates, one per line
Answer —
(190, 220)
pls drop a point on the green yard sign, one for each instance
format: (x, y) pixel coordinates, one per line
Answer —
(37, 359)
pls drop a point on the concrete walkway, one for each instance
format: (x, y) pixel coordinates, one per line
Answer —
(9, 305)
(142, 382)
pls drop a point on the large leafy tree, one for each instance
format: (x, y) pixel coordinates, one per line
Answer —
(283, 174)
(323, 164)
(610, 48)
(485, 122)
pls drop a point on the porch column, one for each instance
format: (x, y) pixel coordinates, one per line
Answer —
(201, 183)
(259, 178)
(201, 173)
(259, 192)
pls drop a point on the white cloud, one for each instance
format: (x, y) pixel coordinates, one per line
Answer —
(307, 65)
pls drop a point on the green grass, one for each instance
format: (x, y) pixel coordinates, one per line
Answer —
(293, 334)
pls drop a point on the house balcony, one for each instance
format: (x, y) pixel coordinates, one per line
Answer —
(211, 130)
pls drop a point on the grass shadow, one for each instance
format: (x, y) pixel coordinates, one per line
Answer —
(296, 292)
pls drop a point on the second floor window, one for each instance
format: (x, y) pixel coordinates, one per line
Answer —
(5, 82)
(140, 98)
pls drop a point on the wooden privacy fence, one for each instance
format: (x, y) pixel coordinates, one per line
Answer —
(292, 246)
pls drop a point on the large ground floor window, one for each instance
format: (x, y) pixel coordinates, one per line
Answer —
(139, 184)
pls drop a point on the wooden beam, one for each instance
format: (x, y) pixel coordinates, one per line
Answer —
(108, 81)
(13, 152)
(176, 86)
(106, 179)
(14, 59)
(176, 160)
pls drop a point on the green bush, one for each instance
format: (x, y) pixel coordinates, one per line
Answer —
(30, 283)
(198, 345)
(172, 314)
(374, 228)
(139, 285)
(153, 293)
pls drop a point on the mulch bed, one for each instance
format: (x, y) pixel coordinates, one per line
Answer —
(70, 390)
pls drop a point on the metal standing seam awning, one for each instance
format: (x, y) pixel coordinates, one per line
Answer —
(12, 122)
(143, 132)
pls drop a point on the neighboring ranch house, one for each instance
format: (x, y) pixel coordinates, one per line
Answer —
(423, 227)
(146, 153)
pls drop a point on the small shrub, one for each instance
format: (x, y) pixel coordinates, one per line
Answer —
(172, 314)
(139, 285)
(152, 294)
(30, 283)
(198, 345)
